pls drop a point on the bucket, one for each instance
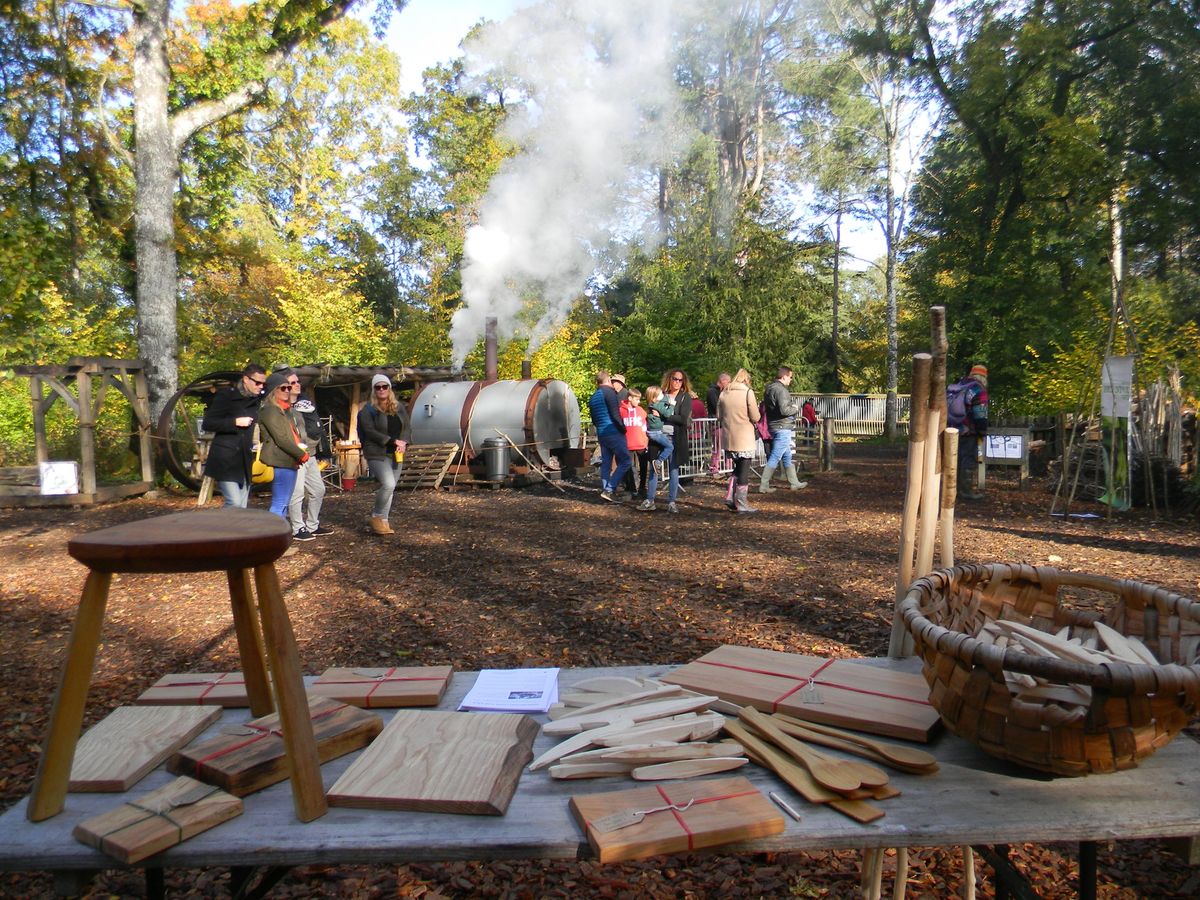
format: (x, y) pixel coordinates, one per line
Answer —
(349, 483)
(495, 459)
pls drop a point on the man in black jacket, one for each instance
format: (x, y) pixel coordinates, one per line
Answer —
(781, 409)
(231, 417)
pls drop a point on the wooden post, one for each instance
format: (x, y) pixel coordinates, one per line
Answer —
(41, 447)
(931, 484)
(141, 409)
(87, 434)
(949, 494)
(918, 414)
(827, 444)
(353, 463)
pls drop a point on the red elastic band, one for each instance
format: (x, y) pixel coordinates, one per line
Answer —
(679, 818)
(806, 680)
(262, 733)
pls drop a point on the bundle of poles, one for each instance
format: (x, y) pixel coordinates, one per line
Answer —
(932, 477)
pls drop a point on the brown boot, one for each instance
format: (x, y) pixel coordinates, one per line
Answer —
(380, 526)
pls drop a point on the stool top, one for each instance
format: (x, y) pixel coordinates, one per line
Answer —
(202, 540)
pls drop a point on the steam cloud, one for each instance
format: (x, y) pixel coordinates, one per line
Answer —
(601, 115)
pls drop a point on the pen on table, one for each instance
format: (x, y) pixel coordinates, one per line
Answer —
(784, 805)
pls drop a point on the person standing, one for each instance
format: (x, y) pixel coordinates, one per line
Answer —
(610, 434)
(383, 428)
(281, 442)
(678, 389)
(738, 411)
(781, 408)
(714, 394)
(636, 441)
(230, 418)
(309, 483)
(967, 410)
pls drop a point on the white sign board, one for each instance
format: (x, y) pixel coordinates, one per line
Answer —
(1004, 446)
(1116, 384)
(59, 477)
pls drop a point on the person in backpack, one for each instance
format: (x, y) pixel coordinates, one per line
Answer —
(781, 408)
(967, 410)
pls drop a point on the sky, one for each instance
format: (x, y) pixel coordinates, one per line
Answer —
(428, 32)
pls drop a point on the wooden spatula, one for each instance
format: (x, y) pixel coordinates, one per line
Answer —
(831, 773)
(908, 757)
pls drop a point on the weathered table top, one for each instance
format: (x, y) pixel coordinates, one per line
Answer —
(972, 799)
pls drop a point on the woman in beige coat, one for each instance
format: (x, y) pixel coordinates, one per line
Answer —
(737, 411)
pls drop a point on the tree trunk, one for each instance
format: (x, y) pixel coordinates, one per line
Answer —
(837, 272)
(156, 172)
(890, 414)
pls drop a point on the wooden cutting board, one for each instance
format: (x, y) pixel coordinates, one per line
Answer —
(725, 810)
(384, 688)
(454, 762)
(207, 688)
(158, 820)
(249, 757)
(129, 742)
(850, 695)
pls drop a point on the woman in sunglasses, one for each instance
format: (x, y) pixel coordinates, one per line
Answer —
(230, 418)
(281, 445)
(383, 428)
(678, 389)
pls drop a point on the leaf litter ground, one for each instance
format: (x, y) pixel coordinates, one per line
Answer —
(481, 578)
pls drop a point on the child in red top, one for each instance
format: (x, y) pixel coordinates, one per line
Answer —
(634, 418)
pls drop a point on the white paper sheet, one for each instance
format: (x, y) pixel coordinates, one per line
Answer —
(513, 690)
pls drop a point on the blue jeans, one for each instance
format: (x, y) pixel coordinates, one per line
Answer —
(281, 490)
(384, 471)
(612, 444)
(664, 444)
(236, 495)
(673, 488)
(781, 448)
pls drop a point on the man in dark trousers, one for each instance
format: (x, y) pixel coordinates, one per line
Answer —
(231, 417)
(610, 434)
(967, 410)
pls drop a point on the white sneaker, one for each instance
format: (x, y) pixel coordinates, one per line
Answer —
(606, 495)
(672, 508)
(646, 506)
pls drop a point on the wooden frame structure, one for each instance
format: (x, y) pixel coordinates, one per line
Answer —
(91, 377)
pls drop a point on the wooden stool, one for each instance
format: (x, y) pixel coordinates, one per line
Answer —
(207, 540)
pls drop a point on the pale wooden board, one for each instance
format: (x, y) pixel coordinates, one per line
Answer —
(381, 688)
(851, 695)
(206, 688)
(440, 762)
(725, 810)
(160, 819)
(129, 742)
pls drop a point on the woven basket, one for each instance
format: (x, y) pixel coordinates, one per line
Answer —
(1134, 709)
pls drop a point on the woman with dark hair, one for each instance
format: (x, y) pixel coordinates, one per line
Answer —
(678, 389)
(383, 428)
(231, 417)
(280, 441)
(737, 411)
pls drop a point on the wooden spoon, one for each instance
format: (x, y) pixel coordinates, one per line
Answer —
(831, 773)
(897, 753)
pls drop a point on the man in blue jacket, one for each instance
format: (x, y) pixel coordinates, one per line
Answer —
(610, 433)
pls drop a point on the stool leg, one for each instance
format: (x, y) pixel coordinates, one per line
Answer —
(250, 644)
(308, 793)
(49, 792)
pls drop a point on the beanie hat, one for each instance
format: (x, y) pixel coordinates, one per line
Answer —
(979, 373)
(380, 379)
(274, 381)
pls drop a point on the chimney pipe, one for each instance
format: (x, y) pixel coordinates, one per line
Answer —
(492, 350)
(526, 370)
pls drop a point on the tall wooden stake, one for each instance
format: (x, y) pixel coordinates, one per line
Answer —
(949, 494)
(930, 483)
(918, 417)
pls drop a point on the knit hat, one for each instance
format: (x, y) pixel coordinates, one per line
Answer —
(979, 373)
(380, 379)
(274, 381)
(620, 378)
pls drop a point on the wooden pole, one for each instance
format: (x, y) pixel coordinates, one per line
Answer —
(827, 444)
(949, 494)
(87, 434)
(918, 415)
(930, 483)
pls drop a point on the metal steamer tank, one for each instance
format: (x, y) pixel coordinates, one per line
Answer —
(541, 416)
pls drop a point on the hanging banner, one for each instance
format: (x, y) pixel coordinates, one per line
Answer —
(1116, 382)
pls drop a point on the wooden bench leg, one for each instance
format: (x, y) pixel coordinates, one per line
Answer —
(308, 793)
(250, 643)
(49, 792)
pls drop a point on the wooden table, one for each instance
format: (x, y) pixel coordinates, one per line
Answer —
(973, 799)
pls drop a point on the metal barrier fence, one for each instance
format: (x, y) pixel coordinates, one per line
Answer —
(858, 415)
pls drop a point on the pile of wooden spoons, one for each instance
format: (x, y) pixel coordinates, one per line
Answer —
(1105, 645)
(782, 744)
(639, 727)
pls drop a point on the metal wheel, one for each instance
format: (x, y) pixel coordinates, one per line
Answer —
(182, 443)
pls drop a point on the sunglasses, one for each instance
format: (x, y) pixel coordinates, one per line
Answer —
(259, 383)
(382, 387)
(677, 378)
